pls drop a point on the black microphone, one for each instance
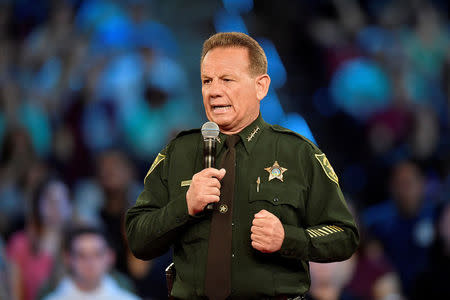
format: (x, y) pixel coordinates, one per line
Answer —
(210, 132)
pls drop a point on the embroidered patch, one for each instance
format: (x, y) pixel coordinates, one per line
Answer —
(327, 168)
(155, 163)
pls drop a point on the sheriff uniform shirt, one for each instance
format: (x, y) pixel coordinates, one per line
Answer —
(277, 170)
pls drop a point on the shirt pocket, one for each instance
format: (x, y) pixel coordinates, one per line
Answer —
(283, 200)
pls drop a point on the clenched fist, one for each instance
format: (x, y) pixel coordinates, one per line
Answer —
(204, 189)
(267, 232)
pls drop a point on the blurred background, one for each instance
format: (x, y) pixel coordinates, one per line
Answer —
(91, 91)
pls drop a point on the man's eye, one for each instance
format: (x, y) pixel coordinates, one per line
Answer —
(206, 81)
(227, 79)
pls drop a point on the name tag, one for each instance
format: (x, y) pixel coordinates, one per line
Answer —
(186, 182)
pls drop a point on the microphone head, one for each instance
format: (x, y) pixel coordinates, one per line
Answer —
(210, 130)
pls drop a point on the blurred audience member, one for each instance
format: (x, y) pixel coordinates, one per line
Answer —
(389, 128)
(115, 176)
(9, 281)
(374, 278)
(328, 280)
(433, 282)
(424, 138)
(370, 276)
(116, 179)
(70, 149)
(404, 225)
(387, 288)
(43, 49)
(89, 259)
(19, 175)
(35, 249)
(159, 108)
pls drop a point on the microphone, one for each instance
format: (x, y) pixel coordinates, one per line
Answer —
(210, 132)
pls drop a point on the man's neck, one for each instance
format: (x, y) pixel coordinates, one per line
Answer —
(87, 287)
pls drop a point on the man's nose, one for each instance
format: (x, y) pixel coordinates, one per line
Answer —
(215, 89)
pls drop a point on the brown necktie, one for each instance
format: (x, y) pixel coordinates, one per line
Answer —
(218, 267)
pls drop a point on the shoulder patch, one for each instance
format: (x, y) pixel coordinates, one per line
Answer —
(155, 163)
(281, 129)
(327, 168)
(186, 132)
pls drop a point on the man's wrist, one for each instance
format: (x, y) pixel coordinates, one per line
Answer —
(295, 242)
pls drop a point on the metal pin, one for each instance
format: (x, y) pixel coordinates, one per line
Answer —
(258, 181)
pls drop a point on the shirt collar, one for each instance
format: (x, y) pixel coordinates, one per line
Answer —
(249, 135)
(107, 286)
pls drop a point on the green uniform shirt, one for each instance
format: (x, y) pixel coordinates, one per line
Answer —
(317, 223)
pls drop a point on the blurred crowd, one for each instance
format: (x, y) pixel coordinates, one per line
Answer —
(91, 90)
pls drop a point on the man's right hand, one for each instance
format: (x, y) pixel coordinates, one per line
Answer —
(204, 189)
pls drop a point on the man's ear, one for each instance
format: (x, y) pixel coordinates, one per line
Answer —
(262, 86)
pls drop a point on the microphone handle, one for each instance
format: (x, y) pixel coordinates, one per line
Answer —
(209, 154)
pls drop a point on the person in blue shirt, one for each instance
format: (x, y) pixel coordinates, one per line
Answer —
(404, 224)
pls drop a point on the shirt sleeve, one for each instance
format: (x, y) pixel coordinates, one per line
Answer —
(329, 232)
(154, 222)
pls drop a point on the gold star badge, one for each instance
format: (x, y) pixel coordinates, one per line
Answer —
(275, 171)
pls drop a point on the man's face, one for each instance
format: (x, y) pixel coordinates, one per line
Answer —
(407, 188)
(90, 259)
(230, 93)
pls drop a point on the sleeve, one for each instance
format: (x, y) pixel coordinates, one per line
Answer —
(329, 233)
(154, 222)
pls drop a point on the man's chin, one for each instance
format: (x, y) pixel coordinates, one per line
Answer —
(222, 120)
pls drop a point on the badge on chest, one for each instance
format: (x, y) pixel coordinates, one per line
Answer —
(275, 171)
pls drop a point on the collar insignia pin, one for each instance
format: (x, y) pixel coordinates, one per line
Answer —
(254, 132)
(275, 171)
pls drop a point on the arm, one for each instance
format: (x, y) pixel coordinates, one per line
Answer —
(154, 222)
(330, 233)
(157, 219)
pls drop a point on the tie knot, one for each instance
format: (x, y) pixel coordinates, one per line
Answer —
(232, 140)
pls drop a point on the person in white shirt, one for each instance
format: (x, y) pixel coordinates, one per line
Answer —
(89, 258)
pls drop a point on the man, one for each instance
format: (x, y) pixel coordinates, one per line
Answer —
(285, 207)
(90, 258)
(404, 223)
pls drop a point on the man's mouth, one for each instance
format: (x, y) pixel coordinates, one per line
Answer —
(220, 108)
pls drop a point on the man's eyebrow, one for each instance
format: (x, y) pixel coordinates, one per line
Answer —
(222, 75)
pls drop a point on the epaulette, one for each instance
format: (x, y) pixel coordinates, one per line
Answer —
(186, 132)
(281, 129)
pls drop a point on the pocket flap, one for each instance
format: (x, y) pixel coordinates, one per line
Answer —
(277, 195)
